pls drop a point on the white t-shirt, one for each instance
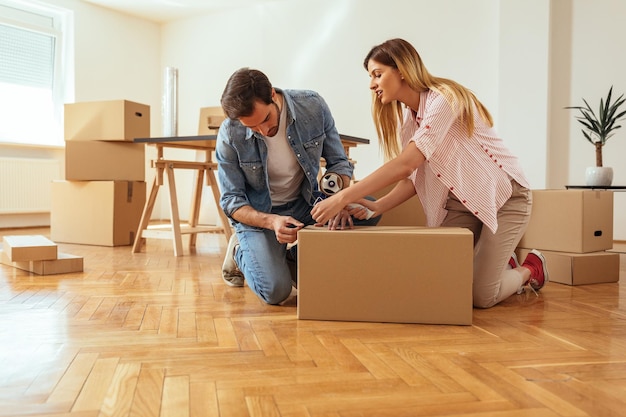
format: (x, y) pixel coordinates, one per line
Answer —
(284, 171)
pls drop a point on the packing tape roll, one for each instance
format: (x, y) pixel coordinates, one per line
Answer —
(331, 183)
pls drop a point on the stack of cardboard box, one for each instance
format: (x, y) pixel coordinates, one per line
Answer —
(573, 229)
(104, 192)
(37, 254)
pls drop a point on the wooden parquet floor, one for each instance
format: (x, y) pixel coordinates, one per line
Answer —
(150, 334)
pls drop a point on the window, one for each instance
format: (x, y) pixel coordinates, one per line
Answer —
(32, 63)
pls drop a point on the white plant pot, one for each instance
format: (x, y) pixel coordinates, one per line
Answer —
(599, 176)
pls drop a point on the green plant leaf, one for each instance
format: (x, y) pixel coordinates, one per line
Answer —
(601, 126)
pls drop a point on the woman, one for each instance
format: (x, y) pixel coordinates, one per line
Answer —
(453, 159)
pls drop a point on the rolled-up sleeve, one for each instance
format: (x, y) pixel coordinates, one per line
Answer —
(434, 128)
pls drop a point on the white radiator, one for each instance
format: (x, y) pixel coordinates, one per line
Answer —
(25, 184)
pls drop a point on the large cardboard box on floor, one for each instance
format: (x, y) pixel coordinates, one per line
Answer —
(105, 161)
(115, 120)
(386, 274)
(103, 213)
(210, 120)
(579, 268)
(29, 248)
(65, 263)
(579, 221)
(409, 213)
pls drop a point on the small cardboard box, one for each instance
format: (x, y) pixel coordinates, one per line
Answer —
(29, 248)
(578, 221)
(64, 264)
(409, 213)
(210, 120)
(579, 268)
(103, 213)
(105, 161)
(116, 120)
(386, 274)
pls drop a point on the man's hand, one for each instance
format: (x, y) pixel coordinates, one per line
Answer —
(286, 228)
(341, 221)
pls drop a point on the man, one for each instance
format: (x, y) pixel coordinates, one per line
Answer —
(268, 152)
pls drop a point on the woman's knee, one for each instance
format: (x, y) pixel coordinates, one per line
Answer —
(483, 301)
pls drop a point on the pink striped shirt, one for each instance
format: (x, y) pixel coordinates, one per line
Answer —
(477, 169)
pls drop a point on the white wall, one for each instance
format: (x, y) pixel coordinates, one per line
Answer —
(320, 45)
(597, 61)
(522, 81)
(116, 56)
(525, 59)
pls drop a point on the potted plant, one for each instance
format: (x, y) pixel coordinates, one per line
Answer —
(597, 129)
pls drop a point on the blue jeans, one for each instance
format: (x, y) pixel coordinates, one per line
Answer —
(263, 260)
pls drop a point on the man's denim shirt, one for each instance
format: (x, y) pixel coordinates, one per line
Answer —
(242, 154)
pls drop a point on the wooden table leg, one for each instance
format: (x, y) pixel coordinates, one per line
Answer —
(145, 216)
(194, 215)
(178, 241)
(166, 168)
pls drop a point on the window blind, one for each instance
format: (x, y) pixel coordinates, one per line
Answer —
(31, 78)
(26, 57)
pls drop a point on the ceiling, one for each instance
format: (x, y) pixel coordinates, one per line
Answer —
(163, 11)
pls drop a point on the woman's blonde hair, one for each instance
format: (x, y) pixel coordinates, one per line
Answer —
(400, 54)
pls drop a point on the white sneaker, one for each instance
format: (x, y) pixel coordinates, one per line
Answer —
(230, 271)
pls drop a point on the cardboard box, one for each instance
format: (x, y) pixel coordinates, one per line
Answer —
(386, 274)
(579, 268)
(578, 221)
(64, 264)
(116, 120)
(105, 161)
(104, 213)
(409, 213)
(210, 120)
(29, 248)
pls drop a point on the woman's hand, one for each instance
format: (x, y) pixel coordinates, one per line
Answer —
(364, 209)
(327, 209)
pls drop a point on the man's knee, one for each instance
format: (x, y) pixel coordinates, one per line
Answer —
(276, 293)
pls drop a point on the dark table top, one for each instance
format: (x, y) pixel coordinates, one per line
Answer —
(596, 187)
(346, 138)
(175, 139)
